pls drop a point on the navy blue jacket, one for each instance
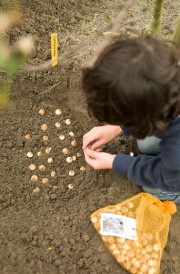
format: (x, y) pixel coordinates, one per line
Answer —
(161, 171)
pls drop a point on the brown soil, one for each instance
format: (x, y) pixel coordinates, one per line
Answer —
(50, 231)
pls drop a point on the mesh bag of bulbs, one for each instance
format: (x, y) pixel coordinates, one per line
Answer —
(135, 231)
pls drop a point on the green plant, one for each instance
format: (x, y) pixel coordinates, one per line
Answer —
(157, 17)
(176, 34)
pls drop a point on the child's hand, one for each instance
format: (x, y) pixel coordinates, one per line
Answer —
(99, 160)
(100, 136)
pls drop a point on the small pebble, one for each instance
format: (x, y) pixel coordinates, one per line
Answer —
(53, 196)
(85, 238)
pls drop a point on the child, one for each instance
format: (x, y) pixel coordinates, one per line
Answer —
(134, 86)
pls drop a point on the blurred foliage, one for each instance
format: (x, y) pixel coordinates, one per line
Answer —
(9, 5)
(176, 34)
(157, 17)
(11, 58)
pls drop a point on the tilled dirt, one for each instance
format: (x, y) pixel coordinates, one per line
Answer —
(49, 231)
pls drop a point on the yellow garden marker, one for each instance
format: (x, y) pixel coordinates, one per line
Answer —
(54, 52)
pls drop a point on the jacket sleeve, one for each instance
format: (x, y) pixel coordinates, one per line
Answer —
(161, 171)
(148, 171)
(125, 130)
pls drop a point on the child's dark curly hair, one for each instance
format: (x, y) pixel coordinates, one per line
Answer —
(135, 83)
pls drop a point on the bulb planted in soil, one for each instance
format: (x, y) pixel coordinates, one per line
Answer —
(65, 151)
(82, 168)
(74, 158)
(29, 154)
(42, 168)
(42, 112)
(50, 160)
(45, 180)
(45, 138)
(36, 190)
(70, 186)
(32, 167)
(74, 143)
(58, 111)
(58, 125)
(39, 154)
(53, 174)
(34, 178)
(68, 122)
(71, 133)
(28, 136)
(48, 150)
(44, 127)
(61, 137)
(69, 160)
(71, 173)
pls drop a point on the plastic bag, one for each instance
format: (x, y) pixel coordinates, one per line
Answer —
(142, 255)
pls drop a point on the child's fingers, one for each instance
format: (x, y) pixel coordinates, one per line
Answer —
(91, 153)
(90, 137)
(97, 144)
(88, 133)
(86, 141)
(98, 150)
(89, 160)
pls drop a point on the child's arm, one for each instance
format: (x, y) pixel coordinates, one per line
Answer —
(162, 171)
(148, 171)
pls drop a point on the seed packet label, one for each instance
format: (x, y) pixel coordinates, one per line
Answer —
(118, 226)
(54, 49)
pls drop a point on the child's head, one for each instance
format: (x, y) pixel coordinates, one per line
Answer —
(136, 83)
